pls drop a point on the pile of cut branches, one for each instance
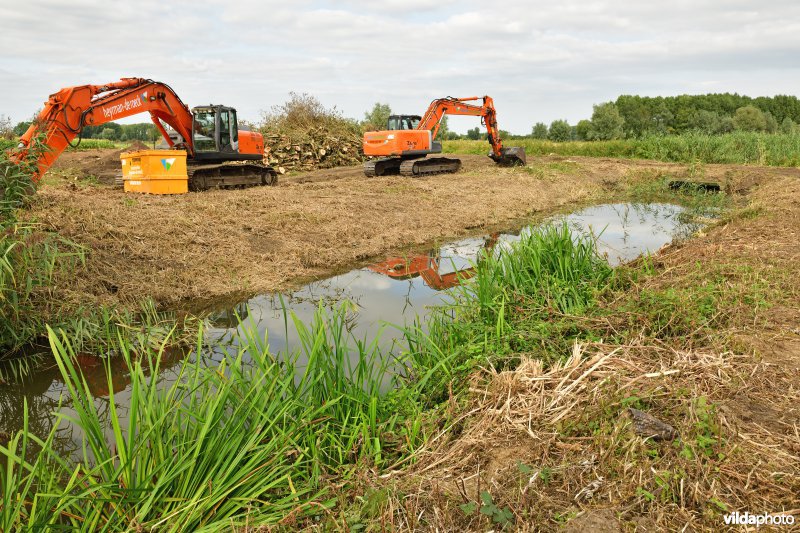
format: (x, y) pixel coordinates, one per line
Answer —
(302, 134)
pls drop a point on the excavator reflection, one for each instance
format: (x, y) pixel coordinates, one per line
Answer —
(428, 266)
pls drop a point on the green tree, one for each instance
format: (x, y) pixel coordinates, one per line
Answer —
(539, 131)
(376, 118)
(771, 122)
(474, 133)
(559, 131)
(787, 126)
(22, 127)
(607, 122)
(636, 113)
(704, 121)
(582, 130)
(725, 125)
(749, 118)
(108, 133)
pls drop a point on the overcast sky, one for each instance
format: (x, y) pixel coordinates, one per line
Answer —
(539, 60)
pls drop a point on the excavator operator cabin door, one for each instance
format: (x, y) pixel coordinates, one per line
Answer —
(215, 129)
(204, 130)
(228, 130)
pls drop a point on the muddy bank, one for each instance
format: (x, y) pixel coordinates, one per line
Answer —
(205, 245)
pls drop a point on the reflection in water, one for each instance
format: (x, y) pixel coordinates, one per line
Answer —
(396, 291)
(46, 393)
(429, 268)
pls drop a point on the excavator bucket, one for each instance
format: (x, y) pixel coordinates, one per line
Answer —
(511, 156)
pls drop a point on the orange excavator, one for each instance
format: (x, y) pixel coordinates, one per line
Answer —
(219, 154)
(408, 139)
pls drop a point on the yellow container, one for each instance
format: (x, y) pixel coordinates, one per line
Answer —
(155, 171)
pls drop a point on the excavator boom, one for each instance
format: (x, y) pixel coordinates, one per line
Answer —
(68, 111)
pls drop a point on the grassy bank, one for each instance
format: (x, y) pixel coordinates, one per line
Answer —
(542, 433)
(732, 148)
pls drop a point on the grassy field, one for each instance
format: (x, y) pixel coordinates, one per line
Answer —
(734, 148)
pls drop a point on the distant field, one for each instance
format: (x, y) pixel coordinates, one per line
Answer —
(733, 148)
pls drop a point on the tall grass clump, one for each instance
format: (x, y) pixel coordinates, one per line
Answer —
(250, 440)
(31, 258)
(513, 303)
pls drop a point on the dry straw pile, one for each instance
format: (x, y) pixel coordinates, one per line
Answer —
(559, 444)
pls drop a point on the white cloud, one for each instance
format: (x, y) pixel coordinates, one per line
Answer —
(539, 60)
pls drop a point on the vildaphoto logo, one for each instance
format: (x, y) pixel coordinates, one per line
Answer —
(747, 519)
(167, 163)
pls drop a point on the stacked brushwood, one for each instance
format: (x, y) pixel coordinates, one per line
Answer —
(319, 148)
(304, 135)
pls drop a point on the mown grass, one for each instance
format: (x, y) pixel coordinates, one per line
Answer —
(733, 148)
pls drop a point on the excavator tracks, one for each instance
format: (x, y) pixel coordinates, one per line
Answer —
(432, 165)
(382, 167)
(411, 167)
(233, 175)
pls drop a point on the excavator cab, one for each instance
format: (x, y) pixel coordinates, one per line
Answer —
(215, 131)
(403, 122)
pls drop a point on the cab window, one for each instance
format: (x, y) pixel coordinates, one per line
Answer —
(224, 130)
(204, 129)
(234, 128)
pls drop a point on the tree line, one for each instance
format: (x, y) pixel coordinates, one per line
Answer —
(637, 116)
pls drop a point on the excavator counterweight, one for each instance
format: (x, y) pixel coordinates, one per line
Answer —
(404, 146)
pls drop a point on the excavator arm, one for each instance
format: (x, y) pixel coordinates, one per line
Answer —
(459, 106)
(68, 111)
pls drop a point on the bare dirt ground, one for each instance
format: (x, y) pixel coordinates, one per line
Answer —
(202, 246)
